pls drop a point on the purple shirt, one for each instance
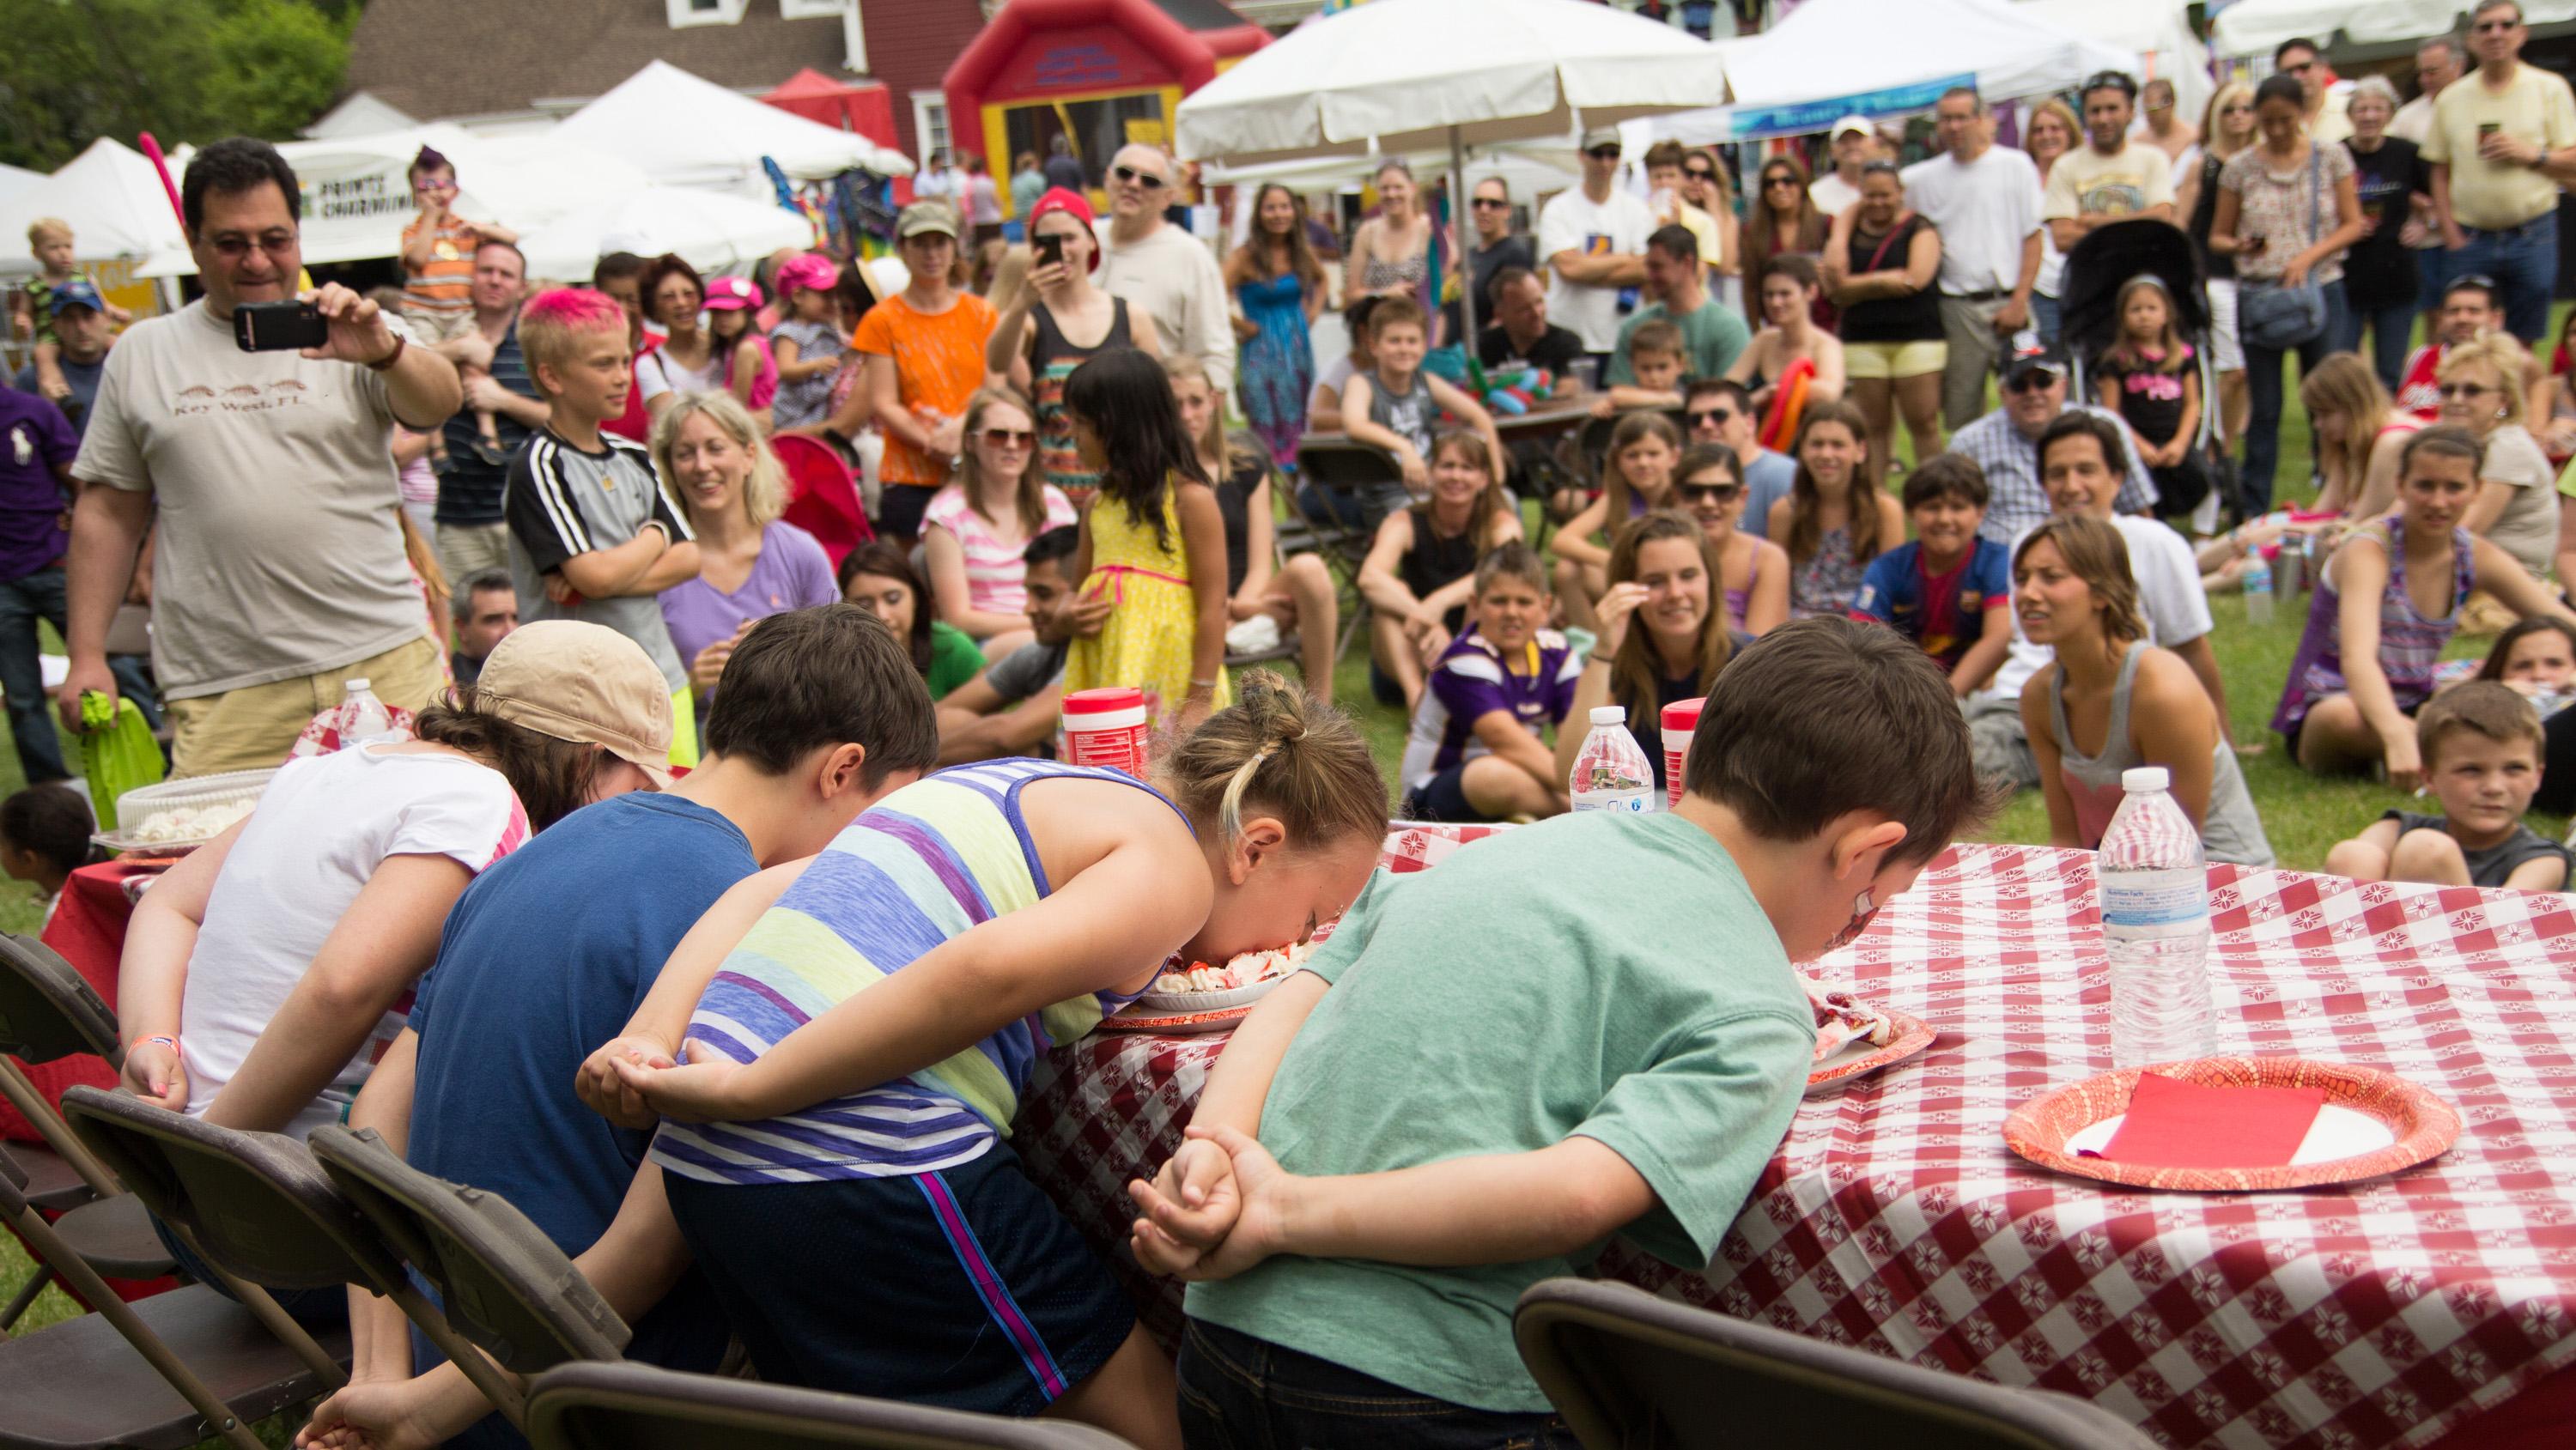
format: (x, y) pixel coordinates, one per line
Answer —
(1472, 680)
(35, 439)
(792, 572)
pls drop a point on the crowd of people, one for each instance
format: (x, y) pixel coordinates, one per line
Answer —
(673, 736)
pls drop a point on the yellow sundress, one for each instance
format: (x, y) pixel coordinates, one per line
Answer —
(1152, 632)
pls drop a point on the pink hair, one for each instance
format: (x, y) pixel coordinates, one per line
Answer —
(550, 322)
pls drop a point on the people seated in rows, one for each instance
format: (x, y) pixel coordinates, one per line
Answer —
(1828, 769)
(2108, 701)
(1948, 588)
(2004, 445)
(2482, 748)
(483, 610)
(1421, 566)
(1880, 271)
(1056, 323)
(868, 1227)
(1752, 573)
(1664, 635)
(1636, 476)
(2470, 308)
(2151, 378)
(2385, 605)
(752, 563)
(595, 533)
(821, 716)
(1720, 411)
(2516, 507)
(983, 519)
(1477, 748)
(1789, 336)
(1296, 594)
(1015, 705)
(878, 576)
(1397, 406)
(1833, 523)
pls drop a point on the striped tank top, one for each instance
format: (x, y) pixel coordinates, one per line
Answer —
(925, 864)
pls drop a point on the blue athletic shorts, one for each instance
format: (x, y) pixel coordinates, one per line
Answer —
(1441, 798)
(964, 1288)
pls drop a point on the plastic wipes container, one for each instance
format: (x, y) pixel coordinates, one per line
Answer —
(177, 816)
(1106, 727)
(1681, 719)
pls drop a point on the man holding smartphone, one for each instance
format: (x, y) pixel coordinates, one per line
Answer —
(2501, 144)
(279, 572)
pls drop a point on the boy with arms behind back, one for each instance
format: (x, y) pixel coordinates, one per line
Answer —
(1407, 1186)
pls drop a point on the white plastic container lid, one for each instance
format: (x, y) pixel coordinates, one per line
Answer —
(354, 686)
(1609, 715)
(2139, 779)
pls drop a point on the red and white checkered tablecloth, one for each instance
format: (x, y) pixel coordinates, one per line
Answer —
(1893, 1217)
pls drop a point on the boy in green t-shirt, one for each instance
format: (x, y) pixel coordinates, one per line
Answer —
(1579, 1028)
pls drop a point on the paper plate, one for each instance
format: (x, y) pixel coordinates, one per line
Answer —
(2374, 1123)
(1859, 1059)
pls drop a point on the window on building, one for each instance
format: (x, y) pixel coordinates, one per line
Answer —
(930, 126)
(684, 13)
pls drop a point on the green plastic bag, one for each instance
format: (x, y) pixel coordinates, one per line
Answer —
(118, 753)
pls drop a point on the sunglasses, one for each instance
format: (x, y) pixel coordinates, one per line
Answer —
(1713, 492)
(1009, 438)
(1771, 181)
(1701, 173)
(1713, 417)
(1603, 153)
(2495, 27)
(1134, 177)
(1488, 203)
(2466, 390)
(2302, 68)
(2032, 380)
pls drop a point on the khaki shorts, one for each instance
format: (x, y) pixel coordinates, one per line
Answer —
(253, 727)
(465, 550)
(1894, 359)
(433, 327)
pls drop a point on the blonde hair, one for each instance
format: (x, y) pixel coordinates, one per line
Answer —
(2495, 350)
(47, 226)
(1277, 750)
(1238, 454)
(2210, 140)
(2345, 386)
(764, 493)
(2064, 113)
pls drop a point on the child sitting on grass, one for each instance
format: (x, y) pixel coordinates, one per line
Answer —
(1476, 753)
(44, 838)
(2537, 657)
(1656, 359)
(2482, 745)
(1636, 476)
(1948, 589)
(1376, 1185)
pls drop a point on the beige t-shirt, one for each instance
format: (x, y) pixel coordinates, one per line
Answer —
(279, 555)
(2126, 183)
(2528, 527)
(2534, 106)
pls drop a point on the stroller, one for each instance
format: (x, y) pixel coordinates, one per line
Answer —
(2103, 263)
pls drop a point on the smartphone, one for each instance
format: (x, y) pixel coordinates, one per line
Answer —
(2489, 128)
(279, 326)
(1049, 248)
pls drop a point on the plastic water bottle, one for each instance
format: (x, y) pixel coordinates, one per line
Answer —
(2258, 590)
(362, 715)
(1611, 772)
(2155, 926)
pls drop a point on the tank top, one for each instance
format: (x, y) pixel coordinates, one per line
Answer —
(1890, 319)
(2229, 830)
(925, 864)
(2410, 645)
(1434, 563)
(1234, 503)
(1052, 360)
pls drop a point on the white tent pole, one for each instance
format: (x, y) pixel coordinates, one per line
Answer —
(1462, 228)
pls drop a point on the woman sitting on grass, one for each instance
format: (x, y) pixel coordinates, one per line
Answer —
(1421, 567)
(1752, 572)
(1636, 476)
(1662, 640)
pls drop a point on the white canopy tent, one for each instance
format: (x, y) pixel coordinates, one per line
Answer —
(15, 179)
(1833, 58)
(2254, 27)
(683, 131)
(113, 199)
(2158, 30)
(712, 231)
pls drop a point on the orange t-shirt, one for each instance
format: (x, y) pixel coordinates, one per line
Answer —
(938, 365)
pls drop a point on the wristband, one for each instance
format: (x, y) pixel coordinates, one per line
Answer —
(169, 1042)
(386, 363)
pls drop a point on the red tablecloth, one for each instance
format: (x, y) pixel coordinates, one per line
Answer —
(1893, 1217)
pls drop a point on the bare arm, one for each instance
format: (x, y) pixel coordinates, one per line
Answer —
(1384, 588)
(1574, 541)
(1978, 665)
(1767, 608)
(947, 560)
(982, 732)
(2494, 496)
(645, 564)
(108, 525)
(1261, 544)
(1612, 270)
(1510, 740)
(1472, 413)
(2041, 728)
(2501, 575)
(2567, 537)
(885, 398)
(1203, 539)
(1561, 1198)
(152, 972)
(2169, 725)
(1591, 690)
(2454, 236)
(2361, 576)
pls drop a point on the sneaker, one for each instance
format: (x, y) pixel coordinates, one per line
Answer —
(491, 452)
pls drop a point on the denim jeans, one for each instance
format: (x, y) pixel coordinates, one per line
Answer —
(2264, 386)
(1241, 1393)
(24, 601)
(2392, 334)
(2523, 261)
(2047, 316)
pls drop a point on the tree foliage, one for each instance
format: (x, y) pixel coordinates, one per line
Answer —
(185, 70)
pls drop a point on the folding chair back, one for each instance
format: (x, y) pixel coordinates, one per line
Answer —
(1627, 1368)
(639, 1407)
(46, 1010)
(256, 1204)
(1344, 466)
(505, 1286)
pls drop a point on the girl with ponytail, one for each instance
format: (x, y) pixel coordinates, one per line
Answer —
(849, 1035)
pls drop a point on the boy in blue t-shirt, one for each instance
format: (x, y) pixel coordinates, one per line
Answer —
(549, 953)
(1477, 750)
(1950, 590)
(1369, 1185)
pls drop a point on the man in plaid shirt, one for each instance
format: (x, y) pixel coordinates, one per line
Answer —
(2005, 443)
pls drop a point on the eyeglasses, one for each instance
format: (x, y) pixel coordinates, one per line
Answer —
(2495, 27)
(1491, 203)
(1009, 438)
(1603, 153)
(1784, 179)
(1134, 177)
(1713, 492)
(2466, 390)
(1699, 173)
(2032, 380)
(1713, 417)
(233, 248)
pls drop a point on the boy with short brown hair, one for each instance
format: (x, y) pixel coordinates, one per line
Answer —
(2483, 746)
(1657, 357)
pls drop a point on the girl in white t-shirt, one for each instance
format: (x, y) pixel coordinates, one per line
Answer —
(318, 913)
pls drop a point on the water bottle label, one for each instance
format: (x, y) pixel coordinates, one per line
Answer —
(2155, 903)
(1633, 802)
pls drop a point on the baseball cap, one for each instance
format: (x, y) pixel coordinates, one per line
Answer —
(78, 292)
(924, 217)
(1599, 136)
(2035, 356)
(1849, 124)
(1058, 199)
(585, 683)
(807, 269)
(732, 294)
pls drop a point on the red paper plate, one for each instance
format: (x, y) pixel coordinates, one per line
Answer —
(1858, 1060)
(2410, 1124)
(1175, 1024)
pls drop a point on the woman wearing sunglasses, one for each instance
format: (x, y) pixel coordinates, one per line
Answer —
(1752, 572)
(751, 563)
(1704, 185)
(977, 526)
(2516, 508)
(2226, 129)
(1784, 220)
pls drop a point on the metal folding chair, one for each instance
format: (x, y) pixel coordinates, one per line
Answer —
(640, 1407)
(1626, 1368)
(48, 1012)
(1345, 469)
(202, 1366)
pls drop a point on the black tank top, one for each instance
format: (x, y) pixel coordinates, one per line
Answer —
(1234, 501)
(1891, 319)
(1435, 563)
(1052, 344)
